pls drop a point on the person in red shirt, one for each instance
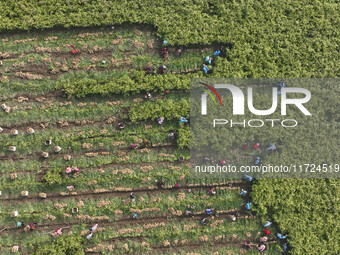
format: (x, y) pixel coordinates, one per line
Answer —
(32, 225)
(245, 147)
(164, 52)
(256, 146)
(266, 232)
(212, 191)
(161, 69)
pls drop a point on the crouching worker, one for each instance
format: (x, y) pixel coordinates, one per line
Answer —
(281, 236)
(212, 191)
(32, 225)
(133, 146)
(160, 183)
(247, 178)
(203, 221)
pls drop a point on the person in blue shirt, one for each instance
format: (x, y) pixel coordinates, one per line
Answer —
(280, 85)
(271, 147)
(207, 60)
(243, 192)
(284, 247)
(216, 53)
(248, 178)
(165, 43)
(248, 205)
(281, 236)
(134, 216)
(20, 224)
(183, 119)
(205, 69)
(209, 211)
(257, 160)
(267, 224)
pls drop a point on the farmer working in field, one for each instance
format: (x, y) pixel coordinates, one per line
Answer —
(256, 146)
(147, 95)
(207, 60)
(89, 236)
(133, 146)
(217, 53)
(20, 224)
(132, 197)
(267, 224)
(147, 69)
(205, 69)
(281, 236)
(248, 178)
(212, 191)
(32, 225)
(188, 213)
(121, 125)
(161, 69)
(243, 192)
(271, 147)
(263, 239)
(280, 85)
(183, 119)
(257, 161)
(71, 187)
(247, 246)
(58, 232)
(94, 228)
(261, 247)
(160, 183)
(164, 52)
(209, 211)
(266, 232)
(232, 217)
(160, 121)
(68, 170)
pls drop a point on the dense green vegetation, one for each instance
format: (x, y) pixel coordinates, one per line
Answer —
(308, 210)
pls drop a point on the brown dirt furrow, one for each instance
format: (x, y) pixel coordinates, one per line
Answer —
(118, 193)
(128, 222)
(113, 164)
(54, 156)
(194, 246)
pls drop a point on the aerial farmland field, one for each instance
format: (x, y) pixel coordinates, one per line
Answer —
(95, 133)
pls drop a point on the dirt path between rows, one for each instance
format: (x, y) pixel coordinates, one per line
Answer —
(119, 193)
(129, 222)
